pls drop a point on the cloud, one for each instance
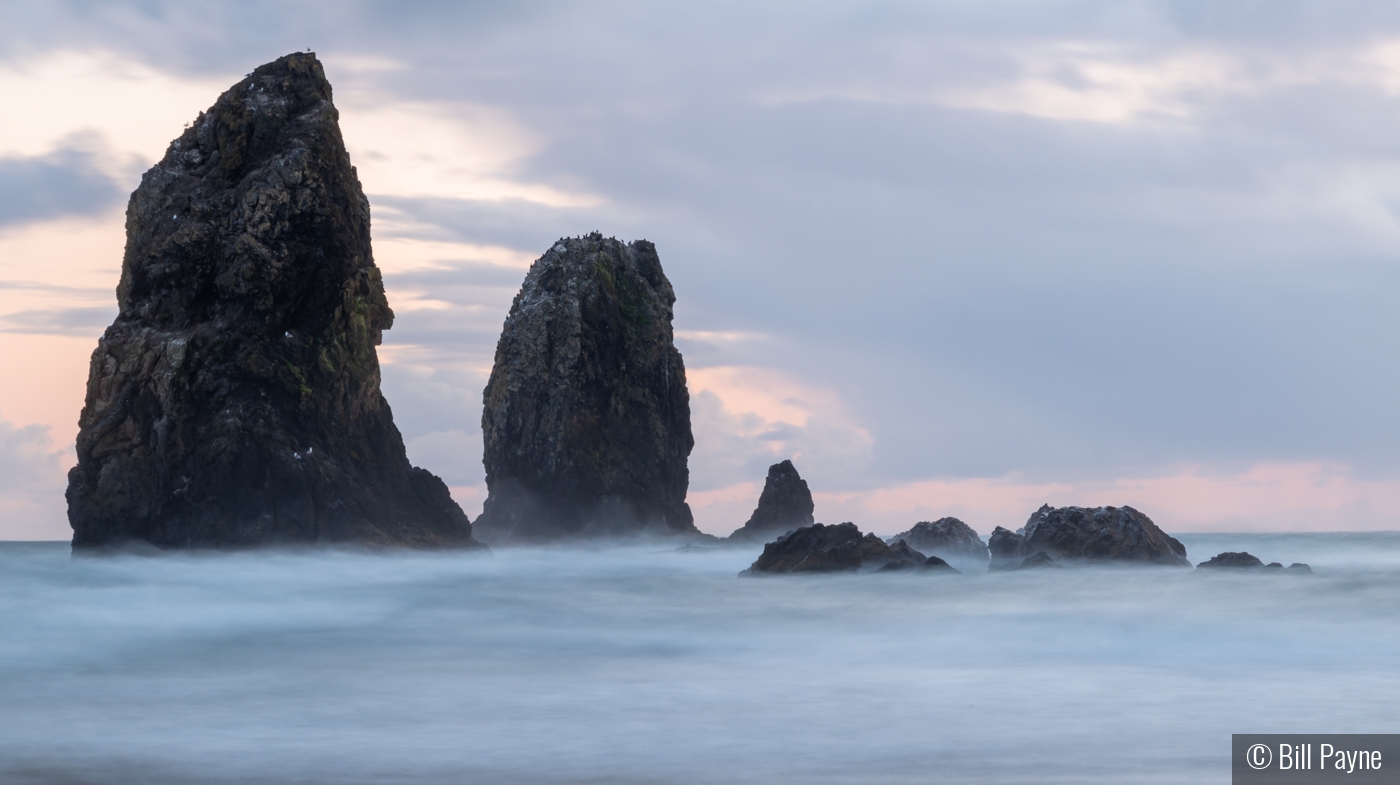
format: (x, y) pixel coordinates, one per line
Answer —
(32, 480)
(67, 181)
(67, 321)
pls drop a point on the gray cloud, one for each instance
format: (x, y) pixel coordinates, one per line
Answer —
(64, 182)
(991, 292)
(83, 321)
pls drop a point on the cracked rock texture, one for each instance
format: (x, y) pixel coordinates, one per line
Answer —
(785, 504)
(586, 417)
(235, 400)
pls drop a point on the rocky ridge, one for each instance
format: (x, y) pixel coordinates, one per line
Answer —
(838, 548)
(1080, 534)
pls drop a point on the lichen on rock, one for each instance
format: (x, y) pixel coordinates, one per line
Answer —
(586, 416)
(235, 400)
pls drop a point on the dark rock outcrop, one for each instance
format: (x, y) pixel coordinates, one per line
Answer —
(1096, 534)
(1004, 547)
(1242, 560)
(838, 548)
(949, 538)
(785, 504)
(908, 564)
(1233, 560)
(586, 417)
(235, 400)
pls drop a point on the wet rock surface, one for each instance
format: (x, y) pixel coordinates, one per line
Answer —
(1088, 534)
(785, 504)
(948, 538)
(837, 548)
(586, 417)
(235, 400)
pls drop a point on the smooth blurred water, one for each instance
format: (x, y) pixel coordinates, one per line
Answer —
(642, 665)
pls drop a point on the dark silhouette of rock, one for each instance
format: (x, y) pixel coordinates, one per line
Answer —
(815, 548)
(949, 538)
(235, 400)
(1037, 560)
(935, 563)
(929, 564)
(838, 548)
(901, 556)
(785, 504)
(1232, 560)
(586, 417)
(1273, 565)
(1298, 568)
(1004, 547)
(1100, 534)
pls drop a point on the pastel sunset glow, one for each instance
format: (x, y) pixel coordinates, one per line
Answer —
(948, 263)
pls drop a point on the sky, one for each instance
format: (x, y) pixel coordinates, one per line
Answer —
(951, 258)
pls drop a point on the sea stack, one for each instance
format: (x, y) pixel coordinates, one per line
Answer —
(586, 417)
(785, 504)
(235, 400)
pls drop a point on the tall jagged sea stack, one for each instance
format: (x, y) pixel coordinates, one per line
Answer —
(586, 417)
(235, 400)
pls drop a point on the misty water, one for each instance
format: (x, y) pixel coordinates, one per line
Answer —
(646, 665)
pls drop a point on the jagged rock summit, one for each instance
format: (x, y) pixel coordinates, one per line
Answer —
(785, 504)
(235, 400)
(586, 417)
(1087, 534)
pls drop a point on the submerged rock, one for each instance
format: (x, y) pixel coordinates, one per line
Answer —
(949, 538)
(1233, 560)
(586, 417)
(838, 548)
(235, 400)
(785, 504)
(1241, 560)
(1037, 560)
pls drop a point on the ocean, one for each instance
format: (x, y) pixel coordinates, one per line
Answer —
(643, 664)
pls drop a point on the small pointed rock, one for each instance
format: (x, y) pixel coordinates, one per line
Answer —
(785, 504)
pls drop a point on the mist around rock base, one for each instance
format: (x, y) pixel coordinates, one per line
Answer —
(639, 663)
